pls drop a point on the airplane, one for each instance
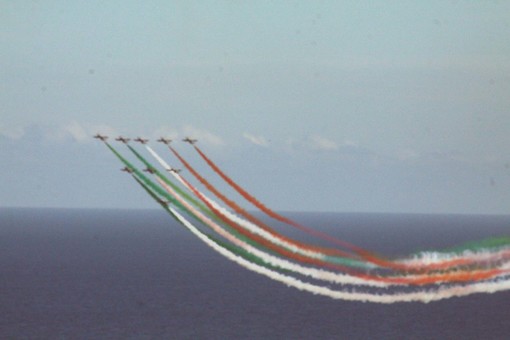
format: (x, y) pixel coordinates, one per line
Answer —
(189, 140)
(101, 137)
(128, 170)
(150, 170)
(163, 202)
(173, 170)
(141, 140)
(164, 140)
(122, 139)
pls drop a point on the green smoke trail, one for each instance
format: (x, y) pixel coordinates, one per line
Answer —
(207, 211)
(234, 249)
(149, 184)
(144, 179)
(170, 198)
(198, 204)
(223, 226)
(182, 193)
(493, 243)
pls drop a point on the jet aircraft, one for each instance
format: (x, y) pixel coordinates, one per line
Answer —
(141, 140)
(150, 170)
(122, 139)
(127, 169)
(101, 137)
(164, 140)
(163, 202)
(173, 170)
(189, 140)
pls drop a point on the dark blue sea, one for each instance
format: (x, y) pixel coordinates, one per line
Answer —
(137, 274)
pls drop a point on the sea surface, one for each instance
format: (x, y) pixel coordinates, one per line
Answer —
(137, 274)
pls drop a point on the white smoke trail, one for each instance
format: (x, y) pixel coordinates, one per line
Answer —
(423, 261)
(318, 274)
(268, 236)
(314, 273)
(165, 165)
(419, 296)
(245, 223)
(484, 255)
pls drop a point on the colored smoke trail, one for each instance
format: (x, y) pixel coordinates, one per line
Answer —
(424, 296)
(251, 248)
(233, 249)
(420, 296)
(167, 181)
(249, 216)
(356, 277)
(273, 214)
(141, 176)
(313, 254)
(474, 267)
(491, 243)
(363, 253)
(460, 276)
(257, 230)
(370, 257)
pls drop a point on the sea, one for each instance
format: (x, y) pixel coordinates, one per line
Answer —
(138, 274)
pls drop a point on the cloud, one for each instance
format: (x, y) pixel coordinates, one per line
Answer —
(257, 140)
(77, 132)
(165, 132)
(323, 144)
(73, 131)
(81, 133)
(319, 145)
(312, 143)
(12, 133)
(102, 129)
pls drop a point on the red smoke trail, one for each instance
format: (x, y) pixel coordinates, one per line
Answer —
(265, 243)
(360, 251)
(251, 218)
(422, 296)
(466, 276)
(460, 276)
(272, 213)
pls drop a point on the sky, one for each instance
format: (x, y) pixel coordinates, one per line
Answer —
(348, 106)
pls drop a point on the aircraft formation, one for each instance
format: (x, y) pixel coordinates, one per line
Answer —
(144, 140)
(340, 271)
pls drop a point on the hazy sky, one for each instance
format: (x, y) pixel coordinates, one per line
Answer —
(398, 106)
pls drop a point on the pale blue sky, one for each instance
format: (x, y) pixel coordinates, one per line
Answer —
(397, 106)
